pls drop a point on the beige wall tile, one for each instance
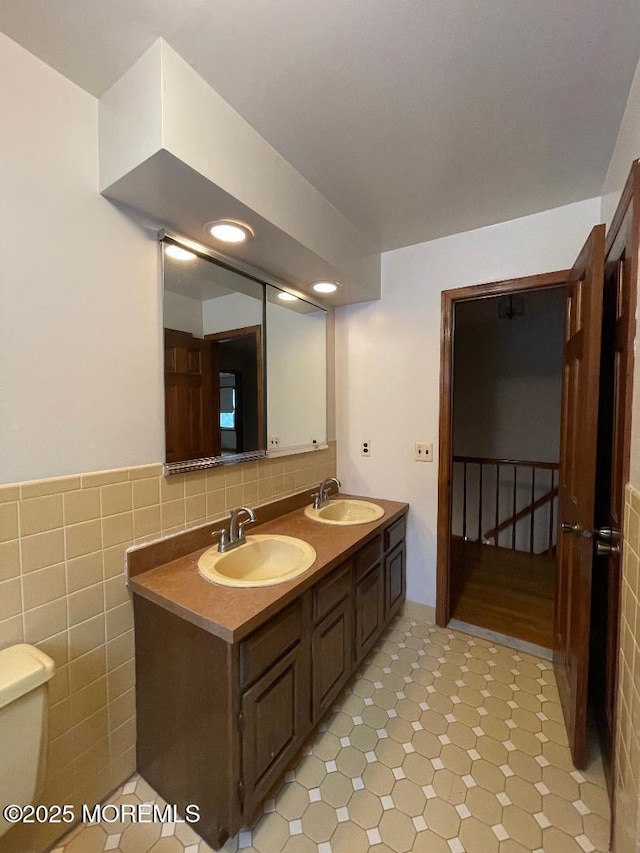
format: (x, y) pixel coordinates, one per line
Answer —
(10, 598)
(59, 685)
(146, 493)
(120, 650)
(59, 718)
(122, 709)
(105, 478)
(8, 521)
(45, 621)
(40, 514)
(123, 738)
(83, 538)
(84, 571)
(232, 476)
(116, 498)
(233, 496)
(86, 636)
(119, 620)
(88, 700)
(9, 560)
(117, 529)
(113, 560)
(196, 507)
(142, 472)
(90, 730)
(82, 505)
(215, 479)
(91, 761)
(216, 503)
(116, 592)
(172, 488)
(39, 488)
(57, 647)
(43, 549)
(195, 483)
(120, 679)
(147, 522)
(87, 668)
(44, 585)
(249, 493)
(172, 514)
(11, 631)
(9, 493)
(86, 603)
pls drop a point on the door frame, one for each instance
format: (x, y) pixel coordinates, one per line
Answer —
(450, 298)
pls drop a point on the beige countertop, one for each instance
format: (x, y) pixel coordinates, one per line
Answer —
(232, 613)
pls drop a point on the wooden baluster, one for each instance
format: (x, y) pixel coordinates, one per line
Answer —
(495, 538)
(464, 504)
(480, 509)
(533, 500)
(513, 526)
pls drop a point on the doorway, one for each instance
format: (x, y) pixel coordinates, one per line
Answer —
(507, 389)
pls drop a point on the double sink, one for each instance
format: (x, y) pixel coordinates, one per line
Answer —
(265, 560)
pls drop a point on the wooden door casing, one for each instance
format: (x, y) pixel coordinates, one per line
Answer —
(578, 449)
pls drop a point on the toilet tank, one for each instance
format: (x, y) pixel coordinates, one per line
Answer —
(24, 673)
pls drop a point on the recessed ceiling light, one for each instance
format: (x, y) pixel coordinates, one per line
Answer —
(287, 297)
(325, 286)
(229, 231)
(178, 253)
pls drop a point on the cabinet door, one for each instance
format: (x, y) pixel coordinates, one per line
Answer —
(331, 656)
(369, 610)
(394, 581)
(276, 720)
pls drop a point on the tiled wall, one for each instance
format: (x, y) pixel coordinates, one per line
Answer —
(627, 816)
(62, 588)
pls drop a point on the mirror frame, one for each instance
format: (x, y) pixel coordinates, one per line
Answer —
(263, 278)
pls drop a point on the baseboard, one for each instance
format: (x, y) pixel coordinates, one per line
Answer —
(423, 612)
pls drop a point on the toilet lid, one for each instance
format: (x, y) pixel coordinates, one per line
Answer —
(22, 669)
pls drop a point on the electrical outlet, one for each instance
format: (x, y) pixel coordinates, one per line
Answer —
(274, 441)
(365, 447)
(423, 451)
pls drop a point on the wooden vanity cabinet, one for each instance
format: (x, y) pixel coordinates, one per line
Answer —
(218, 722)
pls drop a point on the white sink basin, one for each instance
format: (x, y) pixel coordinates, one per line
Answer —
(263, 561)
(345, 511)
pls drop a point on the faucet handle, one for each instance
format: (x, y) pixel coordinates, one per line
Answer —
(222, 544)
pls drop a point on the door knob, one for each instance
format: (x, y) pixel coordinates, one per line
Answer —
(604, 549)
(571, 528)
(609, 534)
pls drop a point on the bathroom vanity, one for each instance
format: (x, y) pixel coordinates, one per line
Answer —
(230, 682)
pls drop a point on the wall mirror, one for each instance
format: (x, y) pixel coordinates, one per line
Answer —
(244, 363)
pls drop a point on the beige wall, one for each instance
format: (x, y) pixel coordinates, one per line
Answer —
(62, 588)
(80, 344)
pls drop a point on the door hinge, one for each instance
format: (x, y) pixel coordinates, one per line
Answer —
(241, 794)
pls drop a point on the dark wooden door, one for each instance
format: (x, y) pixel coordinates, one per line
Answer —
(187, 397)
(616, 387)
(369, 609)
(578, 448)
(331, 650)
(276, 719)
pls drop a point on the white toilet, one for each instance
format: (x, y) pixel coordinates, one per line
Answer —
(24, 673)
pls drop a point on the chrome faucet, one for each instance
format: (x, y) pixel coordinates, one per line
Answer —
(321, 497)
(235, 536)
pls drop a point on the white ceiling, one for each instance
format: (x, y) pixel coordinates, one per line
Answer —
(416, 118)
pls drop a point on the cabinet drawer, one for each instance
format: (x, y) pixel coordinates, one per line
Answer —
(395, 533)
(368, 555)
(268, 643)
(331, 591)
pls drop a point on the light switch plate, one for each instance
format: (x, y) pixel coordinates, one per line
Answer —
(423, 451)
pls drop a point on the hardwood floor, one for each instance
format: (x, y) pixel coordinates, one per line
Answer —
(502, 590)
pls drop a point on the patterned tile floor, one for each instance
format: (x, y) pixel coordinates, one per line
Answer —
(443, 743)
